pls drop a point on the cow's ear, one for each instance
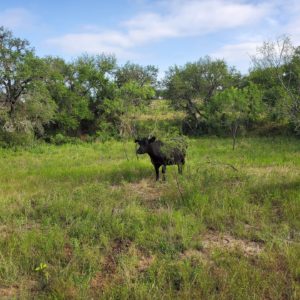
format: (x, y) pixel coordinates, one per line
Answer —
(151, 140)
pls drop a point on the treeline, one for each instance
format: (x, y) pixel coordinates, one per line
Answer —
(49, 98)
(58, 101)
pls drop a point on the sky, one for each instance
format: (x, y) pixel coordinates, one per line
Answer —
(153, 32)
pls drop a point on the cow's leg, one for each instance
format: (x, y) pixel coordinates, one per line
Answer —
(164, 172)
(180, 165)
(157, 171)
(180, 168)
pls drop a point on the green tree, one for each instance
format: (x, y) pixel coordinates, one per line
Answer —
(80, 89)
(135, 73)
(192, 87)
(256, 107)
(19, 68)
(235, 107)
(133, 99)
(277, 69)
(134, 94)
(38, 107)
(72, 104)
(25, 104)
(136, 87)
(274, 96)
(94, 80)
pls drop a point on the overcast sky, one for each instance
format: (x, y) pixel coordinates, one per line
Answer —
(157, 32)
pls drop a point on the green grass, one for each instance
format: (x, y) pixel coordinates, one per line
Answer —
(105, 229)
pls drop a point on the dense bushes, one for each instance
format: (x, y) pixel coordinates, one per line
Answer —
(58, 101)
(218, 100)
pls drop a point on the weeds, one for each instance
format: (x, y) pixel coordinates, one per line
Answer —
(107, 230)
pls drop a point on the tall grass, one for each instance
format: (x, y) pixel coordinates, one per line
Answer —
(94, 215)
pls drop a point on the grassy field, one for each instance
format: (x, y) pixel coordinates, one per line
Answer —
(89, 222)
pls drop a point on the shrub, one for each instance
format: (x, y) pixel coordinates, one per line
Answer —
(60, 139)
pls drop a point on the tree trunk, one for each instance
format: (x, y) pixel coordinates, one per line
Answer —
(234, 128)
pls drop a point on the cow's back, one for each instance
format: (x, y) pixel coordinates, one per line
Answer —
(164, 154)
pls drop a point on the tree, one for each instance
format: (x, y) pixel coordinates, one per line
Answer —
(135, 73)
(72, 104)
(256, 108)
(26, 106)
(38, 107)
(136, 87)
(135, 95)
(235, 107)
(274, 96)
(279, 61)
(133, 98)
(19, 68)
(192, 87)
(94, 80)
(80, 89)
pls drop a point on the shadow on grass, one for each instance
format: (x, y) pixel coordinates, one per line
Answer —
(129, 171)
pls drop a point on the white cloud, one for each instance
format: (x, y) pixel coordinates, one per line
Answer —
(109, 42)
(16, 18)
(239, 54)
(201, 17)
(176, 18)
(292, 27)
(282, 19)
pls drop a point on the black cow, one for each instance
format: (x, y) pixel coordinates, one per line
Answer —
(162, 155)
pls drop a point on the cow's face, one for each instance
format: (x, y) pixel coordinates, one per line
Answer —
(144, 145)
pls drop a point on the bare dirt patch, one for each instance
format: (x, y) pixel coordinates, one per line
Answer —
(146, 190)
(213, 240)
(97, 282)
(5, 231)
(8, 292)
(145, 262)
(248, 248)
(14, 291)
(103, 279)
(68, 251)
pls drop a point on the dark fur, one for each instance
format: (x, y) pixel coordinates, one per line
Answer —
(158, 158)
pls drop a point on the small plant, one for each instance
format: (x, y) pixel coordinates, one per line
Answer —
(43, 273)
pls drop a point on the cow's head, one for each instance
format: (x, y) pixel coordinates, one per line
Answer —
(144, 145)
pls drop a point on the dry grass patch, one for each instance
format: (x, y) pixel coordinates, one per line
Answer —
(16, 290)
(108, 275)
(6, 230)
(147, 190)
(9, 292)
(145, 261)
(213, 240)
(167, 116)
(267, 171)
